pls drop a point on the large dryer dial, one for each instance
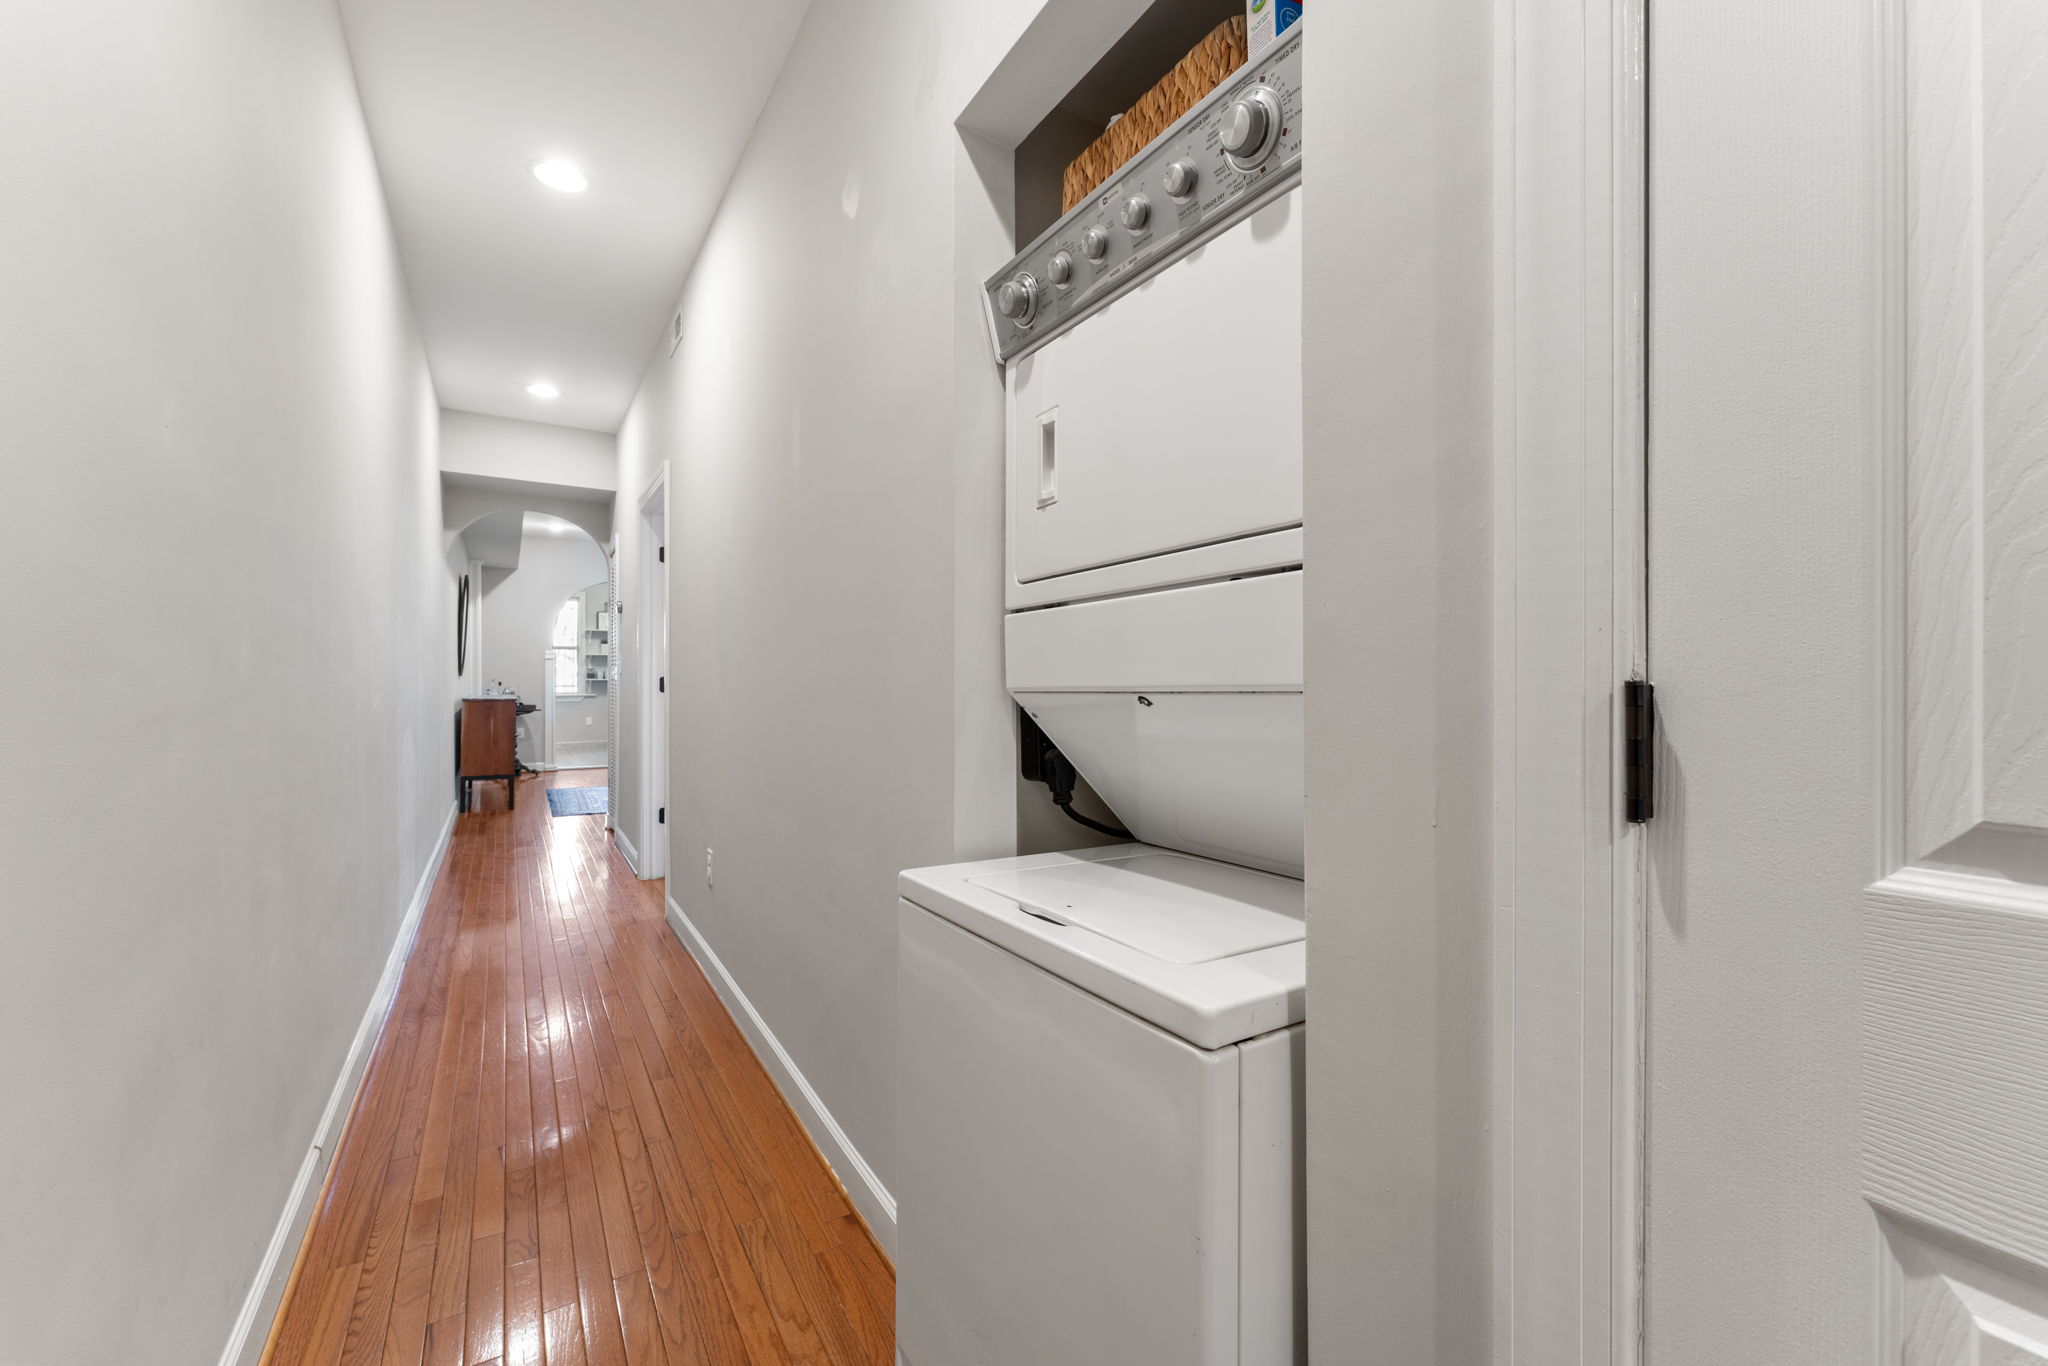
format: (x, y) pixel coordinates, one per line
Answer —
(1251, 128)
(1017, 300)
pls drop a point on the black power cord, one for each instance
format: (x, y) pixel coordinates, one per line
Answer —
(1043, 763)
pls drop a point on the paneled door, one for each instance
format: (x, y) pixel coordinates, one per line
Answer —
(1846, 1059)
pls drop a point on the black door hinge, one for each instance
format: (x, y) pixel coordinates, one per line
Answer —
(661, 553)
(1638, 751)
(661, 816)
(661, 684)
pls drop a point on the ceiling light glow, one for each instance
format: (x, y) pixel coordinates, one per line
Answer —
(541, 388)
(557, 174)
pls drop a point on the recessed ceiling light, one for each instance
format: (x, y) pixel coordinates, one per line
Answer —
(540, 388)
(557, 174)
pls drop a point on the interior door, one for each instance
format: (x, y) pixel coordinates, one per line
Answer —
(1847, 1052)
(654, 682)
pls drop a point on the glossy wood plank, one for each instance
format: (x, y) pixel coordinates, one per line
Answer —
(564, 1152)
(523, 1314)
(711, 1311)
(485, 1316)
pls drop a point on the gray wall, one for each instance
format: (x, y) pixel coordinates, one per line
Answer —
(223, 535)
(1398, 418)
(836, 704)
(831, 427)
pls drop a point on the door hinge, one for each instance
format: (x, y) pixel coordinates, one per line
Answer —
(661, 816)
(1638, 751)
(661, 684)
(661, 554)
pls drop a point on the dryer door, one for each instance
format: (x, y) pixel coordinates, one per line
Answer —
(1182, 707)
(1170, 419)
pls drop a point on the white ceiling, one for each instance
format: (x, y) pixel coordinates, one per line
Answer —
(512, 281)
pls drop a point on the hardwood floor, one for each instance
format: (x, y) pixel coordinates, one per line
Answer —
(564, 1153)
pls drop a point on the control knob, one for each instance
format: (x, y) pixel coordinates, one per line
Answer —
(1060, 268)
(1095, 243)
(1180, 179)
(1137, 212)
(1017, 299)
(1250, 127)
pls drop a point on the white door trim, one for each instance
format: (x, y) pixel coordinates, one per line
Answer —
(544, 756)
(1570, 599)
(653, 640)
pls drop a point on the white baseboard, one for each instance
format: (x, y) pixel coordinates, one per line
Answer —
(863, 1187)
(626, 848)
(252, 1325)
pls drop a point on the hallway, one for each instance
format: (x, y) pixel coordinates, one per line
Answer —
(564, 1151)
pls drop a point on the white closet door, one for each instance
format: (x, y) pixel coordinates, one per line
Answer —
(1847, 1060)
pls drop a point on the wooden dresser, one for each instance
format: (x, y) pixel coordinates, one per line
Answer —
(487, 745)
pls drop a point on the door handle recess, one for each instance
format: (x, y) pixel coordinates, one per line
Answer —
(1048, 458)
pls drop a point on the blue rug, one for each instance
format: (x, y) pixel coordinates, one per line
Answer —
(579, 801)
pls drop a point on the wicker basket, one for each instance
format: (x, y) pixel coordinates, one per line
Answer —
(1212, 62)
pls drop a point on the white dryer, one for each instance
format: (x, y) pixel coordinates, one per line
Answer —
(1151, 343)
(1100, 1125)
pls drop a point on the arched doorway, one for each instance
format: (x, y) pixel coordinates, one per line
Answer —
(539, 628)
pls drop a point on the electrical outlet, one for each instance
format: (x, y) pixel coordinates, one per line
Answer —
(707, 868)
(590, 720)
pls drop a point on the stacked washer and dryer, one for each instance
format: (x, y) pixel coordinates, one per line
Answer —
(1100, 1119)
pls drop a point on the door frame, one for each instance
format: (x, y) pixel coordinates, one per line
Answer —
(653, 639)
(1571, 599)
(545, 756)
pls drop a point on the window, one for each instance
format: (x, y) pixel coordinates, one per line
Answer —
(568, 649)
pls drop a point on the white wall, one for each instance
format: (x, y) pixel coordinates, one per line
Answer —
(835, 681)
(519, 620)
(529, 452)
(224, 539)
(1398, 425)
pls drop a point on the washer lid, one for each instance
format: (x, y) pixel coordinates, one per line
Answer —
(1175, 908)
(1208, 951)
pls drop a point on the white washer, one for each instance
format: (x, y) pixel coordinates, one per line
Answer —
(1100, 1112)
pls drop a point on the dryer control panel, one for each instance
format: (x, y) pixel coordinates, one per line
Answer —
(1228, 155)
